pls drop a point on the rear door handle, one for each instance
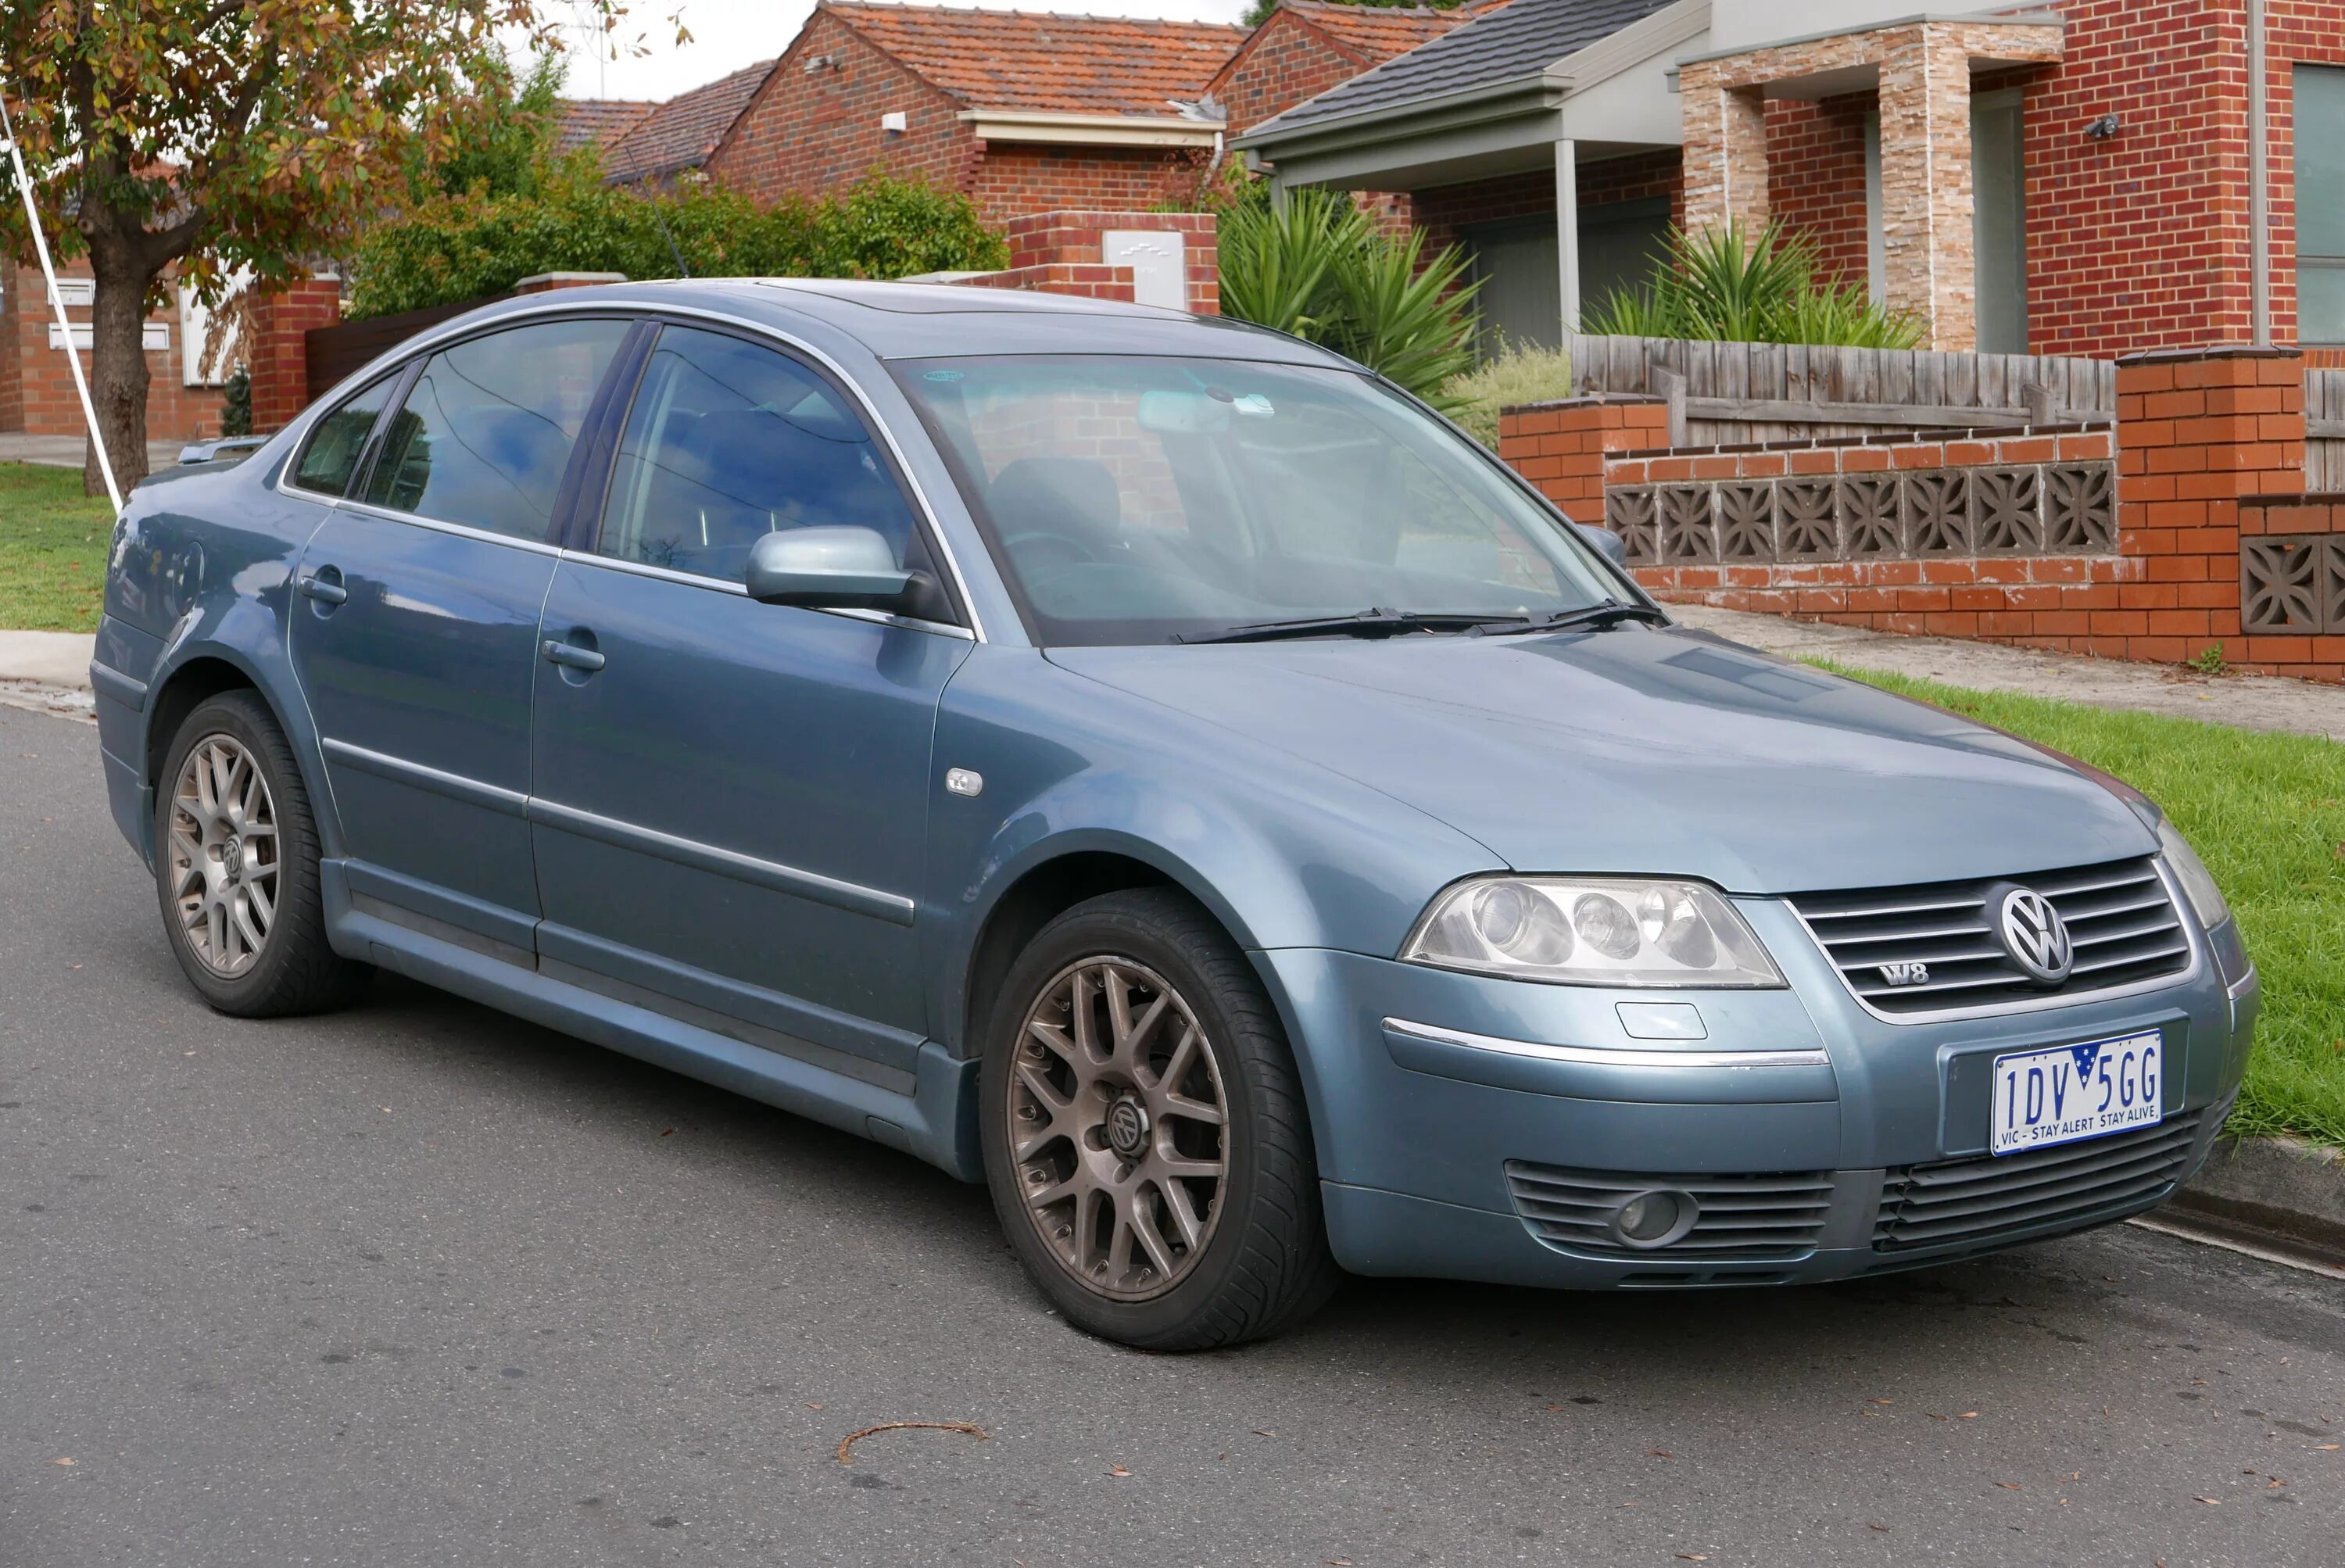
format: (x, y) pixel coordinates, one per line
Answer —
(325, 586)
(570, 655)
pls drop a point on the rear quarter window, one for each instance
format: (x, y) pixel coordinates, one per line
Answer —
(330, 458)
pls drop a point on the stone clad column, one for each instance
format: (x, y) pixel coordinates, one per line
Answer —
(1725, 151)
(1928, 200)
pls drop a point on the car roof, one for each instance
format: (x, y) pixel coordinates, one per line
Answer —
(916, 321)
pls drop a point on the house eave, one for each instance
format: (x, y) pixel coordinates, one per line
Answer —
(1091, 130)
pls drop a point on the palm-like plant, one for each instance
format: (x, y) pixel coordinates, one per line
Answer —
(1723, 285)
(1318, 268)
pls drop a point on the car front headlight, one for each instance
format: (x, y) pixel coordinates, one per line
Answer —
(1592, 930)
(2206, 899)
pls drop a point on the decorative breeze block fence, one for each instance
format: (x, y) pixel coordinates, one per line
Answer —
(2182, 526)
(2051, 493)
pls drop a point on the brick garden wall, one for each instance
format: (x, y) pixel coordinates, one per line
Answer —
(1064, 253)
(2128, 542)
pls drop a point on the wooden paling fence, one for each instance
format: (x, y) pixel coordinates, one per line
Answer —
(1732, 393)
(2324, 432)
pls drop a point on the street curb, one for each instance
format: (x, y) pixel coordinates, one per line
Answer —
(2278, 1191)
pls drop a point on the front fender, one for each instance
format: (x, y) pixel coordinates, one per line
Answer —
(1283, 853)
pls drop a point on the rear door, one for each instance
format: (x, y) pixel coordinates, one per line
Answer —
(732, 797)
(414, 630)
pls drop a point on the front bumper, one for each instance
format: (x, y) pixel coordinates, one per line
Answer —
(1849, 1144)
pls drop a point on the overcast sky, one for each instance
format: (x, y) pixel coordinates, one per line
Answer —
(728, 34)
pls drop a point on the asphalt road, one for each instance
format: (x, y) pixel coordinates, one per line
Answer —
(421, 1285)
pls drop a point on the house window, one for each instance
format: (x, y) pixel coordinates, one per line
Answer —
(2321, 205)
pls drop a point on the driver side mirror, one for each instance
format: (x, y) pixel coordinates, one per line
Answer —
(828, 568)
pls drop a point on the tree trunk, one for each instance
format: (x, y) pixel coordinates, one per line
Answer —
(117, 369)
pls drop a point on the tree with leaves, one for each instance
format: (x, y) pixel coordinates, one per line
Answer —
(211, 136)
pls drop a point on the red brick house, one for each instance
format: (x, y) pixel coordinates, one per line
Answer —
(183, 396)
(2072, 178)
(664, 140)
(1022, 112)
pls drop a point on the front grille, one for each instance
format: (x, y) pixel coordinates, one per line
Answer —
(2125, 927)
(1975, 1202)
(1757, 1218)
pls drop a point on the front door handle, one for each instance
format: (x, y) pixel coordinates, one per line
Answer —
(325, 586)
(570, 655)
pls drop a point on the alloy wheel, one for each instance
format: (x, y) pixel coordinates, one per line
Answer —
(223, 855)
(1118, 1128)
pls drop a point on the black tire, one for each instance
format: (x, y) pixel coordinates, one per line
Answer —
(293, 970)
(1264, 1265)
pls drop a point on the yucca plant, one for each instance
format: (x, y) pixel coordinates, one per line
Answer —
(1724, 285)
(1318, 268)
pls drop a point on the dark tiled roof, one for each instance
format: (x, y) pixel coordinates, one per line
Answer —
(602, 120)
(1042, 64)
(1377, 33)
(1519, 39)
(681, 133)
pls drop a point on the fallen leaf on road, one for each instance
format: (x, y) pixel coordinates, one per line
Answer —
(1882, 1528)
(1884, 1401)
(1969, 1415)
(1693, 1556)
(1117, 1470)
(2212, 1501)
(1661, 1453)
(851, 1438)
(667, 1133)
(2325, 1447)
(2009, 1485)
(814, 1407)
(1259, 1433)
(66, 1462)
(1336, 1561)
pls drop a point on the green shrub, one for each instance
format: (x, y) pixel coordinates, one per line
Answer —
(1319, 269)
(471, 245)
(1724, 285)
(1517, 376)
(236, 404)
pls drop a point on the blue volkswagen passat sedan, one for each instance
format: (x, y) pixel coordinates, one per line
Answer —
(1158, 769)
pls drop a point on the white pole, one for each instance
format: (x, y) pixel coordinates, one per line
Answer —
(1567, 234)
(57, 303)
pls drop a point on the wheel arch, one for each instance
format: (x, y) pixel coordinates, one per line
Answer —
(205, 671)
(1033, 899)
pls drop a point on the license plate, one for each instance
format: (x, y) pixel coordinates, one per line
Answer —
(2071, 1092)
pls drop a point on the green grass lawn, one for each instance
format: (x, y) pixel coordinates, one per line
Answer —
(2266, 813)
(53, 543)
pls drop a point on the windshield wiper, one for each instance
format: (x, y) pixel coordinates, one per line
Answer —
(1370, 623)
(1594, 619)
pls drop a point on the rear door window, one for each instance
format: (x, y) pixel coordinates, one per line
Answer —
(488, 428)
(728, 442)
(330, 458)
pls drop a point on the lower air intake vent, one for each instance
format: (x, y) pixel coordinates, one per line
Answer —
(1733, 1217)
(1972, 1203)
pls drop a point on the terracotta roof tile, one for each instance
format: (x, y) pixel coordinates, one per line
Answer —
(1047, 63)
(681, 133)
(604, 120)
(1377, 33)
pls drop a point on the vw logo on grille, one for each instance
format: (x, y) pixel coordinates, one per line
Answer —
(2035, 936)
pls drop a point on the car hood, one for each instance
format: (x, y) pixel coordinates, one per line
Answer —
(1650, 750)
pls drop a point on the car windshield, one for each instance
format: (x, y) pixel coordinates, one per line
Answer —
(1137, 500)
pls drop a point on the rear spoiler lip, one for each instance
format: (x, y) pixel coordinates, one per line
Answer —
(212, 451)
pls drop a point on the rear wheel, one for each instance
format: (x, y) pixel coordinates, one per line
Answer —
(1144, 1131)
(236, 867)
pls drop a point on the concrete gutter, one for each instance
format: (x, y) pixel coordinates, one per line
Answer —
(49, 672)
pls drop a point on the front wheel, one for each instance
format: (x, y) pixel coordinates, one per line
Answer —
(1144, 1131)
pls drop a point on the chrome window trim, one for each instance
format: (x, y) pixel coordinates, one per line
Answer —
(853, 897)
(440, 525)
(1606, 1056)
(2193, 937)
(431, 342)
(718, 584)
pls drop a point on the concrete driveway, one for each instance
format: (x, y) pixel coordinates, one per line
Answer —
(421, 1285)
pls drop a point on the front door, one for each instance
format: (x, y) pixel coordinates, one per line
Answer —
(414, 625)
(732, 799)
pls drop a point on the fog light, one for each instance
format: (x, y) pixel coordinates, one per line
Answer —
(1653, 1218)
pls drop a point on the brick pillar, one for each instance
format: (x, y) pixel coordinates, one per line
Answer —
(1930, 254)
(279, 354)
(1725, 152)
(1065, 253)
(1562, 447)
(2198, 430)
